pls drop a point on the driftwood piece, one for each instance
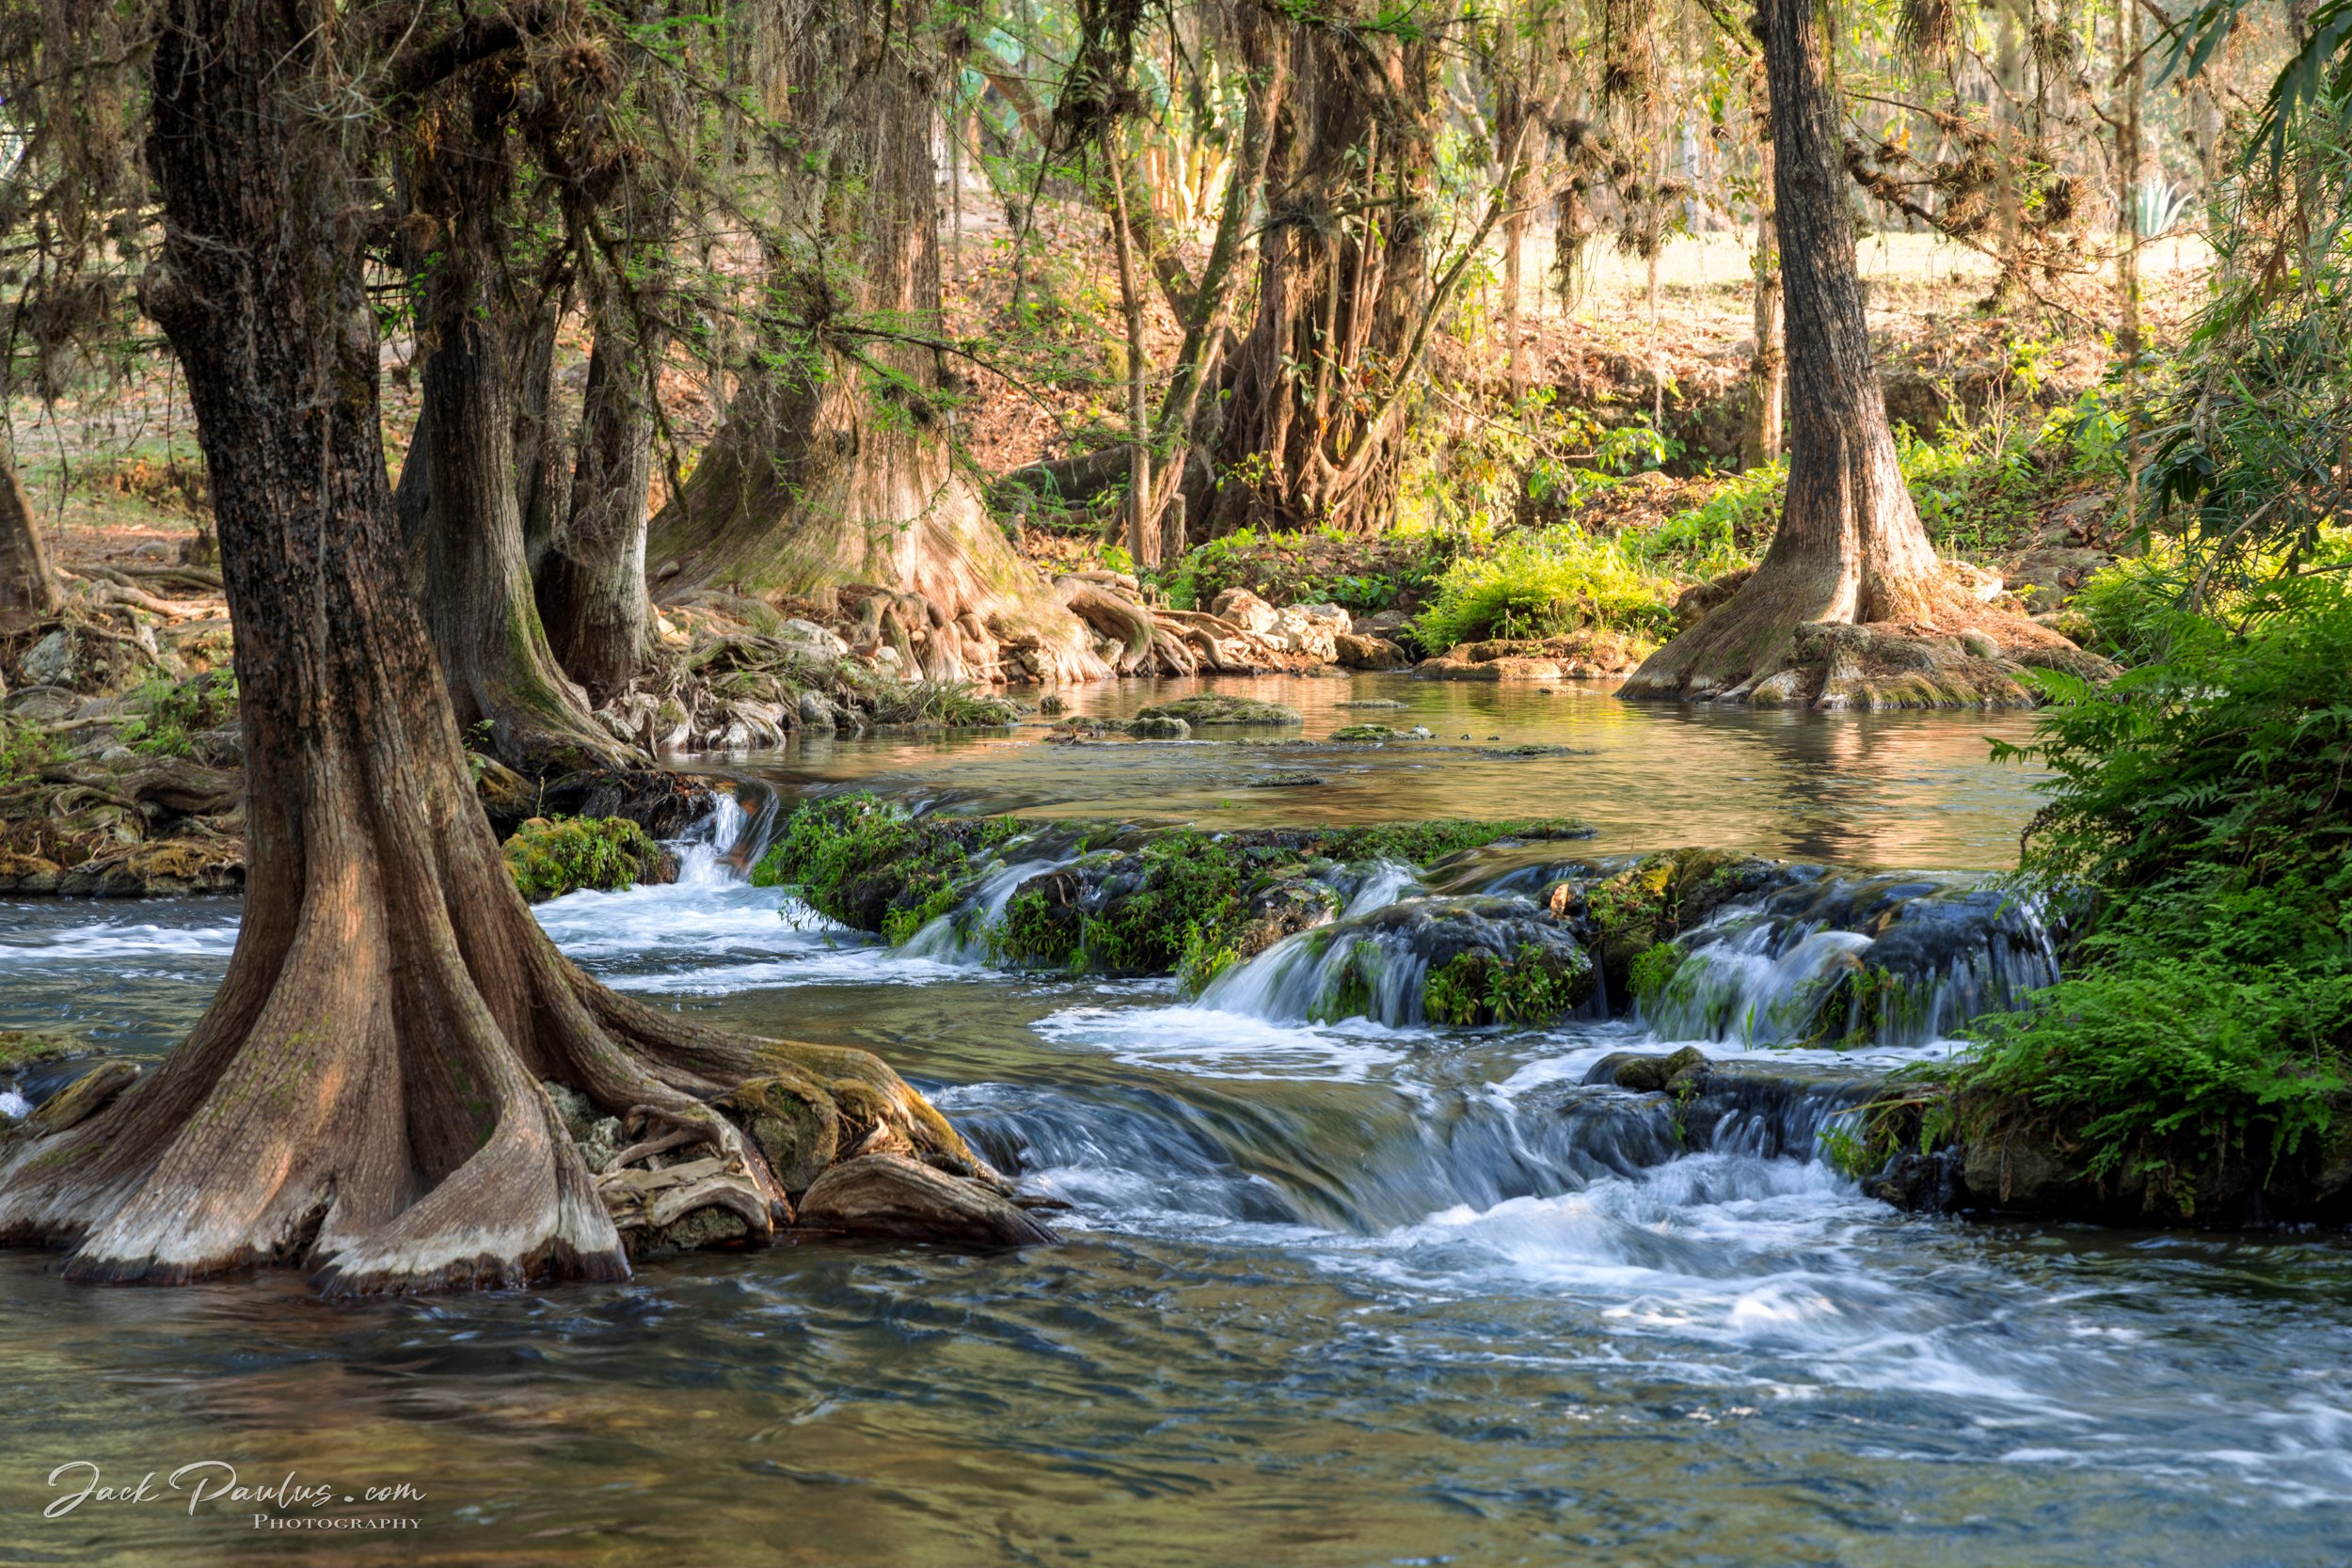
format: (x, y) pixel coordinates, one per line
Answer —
(892, 1196)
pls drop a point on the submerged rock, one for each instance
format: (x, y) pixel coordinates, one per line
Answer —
(1217, 707)
(891, 1195)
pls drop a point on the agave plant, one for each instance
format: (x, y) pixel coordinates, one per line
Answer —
(2157, 208)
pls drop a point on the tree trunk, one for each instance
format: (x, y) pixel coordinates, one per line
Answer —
(1143, 539)
(1343, 282)
(29, 589)
(1759, 438)
(364, 1095)
(592, 585)
(543, 474)
(832, 466)
(1849, 547)
(478, 594)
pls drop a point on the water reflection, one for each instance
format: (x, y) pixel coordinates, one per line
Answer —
(1867, 790)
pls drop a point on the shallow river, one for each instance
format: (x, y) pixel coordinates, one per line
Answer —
(1338, 1294)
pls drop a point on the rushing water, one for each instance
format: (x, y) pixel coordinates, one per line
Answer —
(1345, 1294)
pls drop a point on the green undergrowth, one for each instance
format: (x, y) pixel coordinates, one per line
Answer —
(552, 856)
(1546, 583)
(1534, 984)
(869, 864)
(2198, 1044)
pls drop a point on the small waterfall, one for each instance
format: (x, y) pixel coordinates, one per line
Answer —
(1345, 970)
(960, 936)
(708, 855)
(1383, 884)
(1890, 960)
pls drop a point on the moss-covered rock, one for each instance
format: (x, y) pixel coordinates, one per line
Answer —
(1217, 707)
(1354, 733)
(553, 856)
(1651, 902)
(23, 1048)
(875, 866)
(1158, 902)
(1159, 727)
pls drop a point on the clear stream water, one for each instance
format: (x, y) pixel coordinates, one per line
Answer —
(1333, 1294)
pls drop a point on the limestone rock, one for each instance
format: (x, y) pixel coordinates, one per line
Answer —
(28, 873)
(1244, 608)
(1358, 652)
(808, 641)
(1685, 1070)
(1216, 707)
(891, 1195)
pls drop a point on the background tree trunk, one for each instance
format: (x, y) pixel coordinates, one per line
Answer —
(591, 583)
(1759, 437)
(832, 466)
(29, 589)
(1342, 279)
(477, 595)
(364, 1091)
(1849, 547)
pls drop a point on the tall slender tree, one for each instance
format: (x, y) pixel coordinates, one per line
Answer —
(1849, 547)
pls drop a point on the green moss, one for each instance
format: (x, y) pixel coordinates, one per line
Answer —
(23, 1048)
(1352, 988)
(552, 856)
(1535, 985)
(1420, 843)
(1366, 731)
(1216, 707)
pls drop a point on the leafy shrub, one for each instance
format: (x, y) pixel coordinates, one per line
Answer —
(2201, 1035)
(1545, 584)
(552, 856)
(166, 715)
(1535, 985)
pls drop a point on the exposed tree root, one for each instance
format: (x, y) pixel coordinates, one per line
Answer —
(1952, 649)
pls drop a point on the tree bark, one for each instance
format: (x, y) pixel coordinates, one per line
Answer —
(1759, 438)
(1343, 279)
(1143, 540)
(29, 589)
(592, 584)
(477, 595)
(832, 466)
(1849, 547)
(364, 1095)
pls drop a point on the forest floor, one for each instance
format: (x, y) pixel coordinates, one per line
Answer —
(116, 477)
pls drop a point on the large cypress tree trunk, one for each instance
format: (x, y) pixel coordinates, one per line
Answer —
(1344, 279)
(477, 595)
(364, 1095)
(833, 466)
(1851, 549)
